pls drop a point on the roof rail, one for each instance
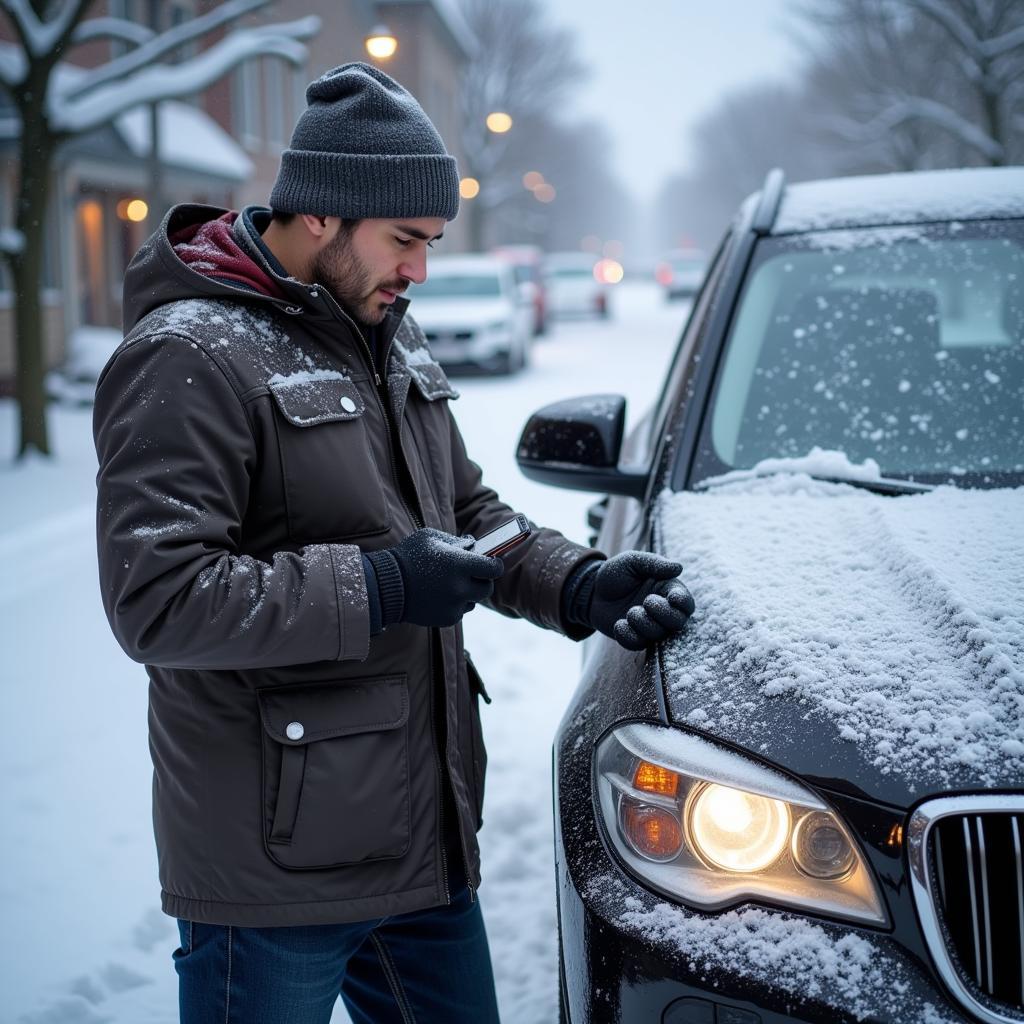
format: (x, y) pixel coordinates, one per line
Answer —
(768, 204)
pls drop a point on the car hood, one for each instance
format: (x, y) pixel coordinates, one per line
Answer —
(468, 312)
(867, 643)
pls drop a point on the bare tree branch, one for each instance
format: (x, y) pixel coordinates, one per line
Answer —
(111, 28)
(165, 82)
(40, 38)
(165, 43)
(1005, 43)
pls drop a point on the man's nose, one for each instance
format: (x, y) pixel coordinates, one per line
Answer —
(414, 268)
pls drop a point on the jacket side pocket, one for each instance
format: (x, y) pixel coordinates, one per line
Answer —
(476, 691)
(335, 771)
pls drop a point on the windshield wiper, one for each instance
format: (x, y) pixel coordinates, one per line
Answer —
(880, 485)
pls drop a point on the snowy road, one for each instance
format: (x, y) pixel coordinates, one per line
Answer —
(85, 941)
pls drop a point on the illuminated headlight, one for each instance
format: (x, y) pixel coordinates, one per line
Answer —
(712, 828)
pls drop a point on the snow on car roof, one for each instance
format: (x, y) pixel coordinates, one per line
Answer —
(900, 620)
(969, 194)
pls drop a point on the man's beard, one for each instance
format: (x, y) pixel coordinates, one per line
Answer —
(351, 281)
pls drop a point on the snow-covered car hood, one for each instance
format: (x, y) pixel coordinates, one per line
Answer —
(453, 314)
(871, 644)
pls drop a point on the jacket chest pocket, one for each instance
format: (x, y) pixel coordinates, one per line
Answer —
(336, 771)
(333, 489)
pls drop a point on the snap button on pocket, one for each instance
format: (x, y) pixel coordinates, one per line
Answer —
(347, 404)
(294, 731)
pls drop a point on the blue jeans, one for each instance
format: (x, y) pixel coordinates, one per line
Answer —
(429, 967)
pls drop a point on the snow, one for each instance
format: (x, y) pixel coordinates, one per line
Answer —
(817, 462)
(788, 952)
(79, 887)
(970, 194)
(302, 377)
(157, 82)
(189, 138)
(12, 241)
(898, 619)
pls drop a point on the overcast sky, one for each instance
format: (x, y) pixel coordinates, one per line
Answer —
(658, 65)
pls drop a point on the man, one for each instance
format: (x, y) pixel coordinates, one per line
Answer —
(284, 501)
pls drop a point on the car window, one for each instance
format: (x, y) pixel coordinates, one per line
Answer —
(451, 286)
(905, 345)
(696, 320)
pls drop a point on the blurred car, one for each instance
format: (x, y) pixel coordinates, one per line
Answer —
(471, 314)
(87, 352)
(809, 806)
(574, 289)
(527, 263)
(681, 272)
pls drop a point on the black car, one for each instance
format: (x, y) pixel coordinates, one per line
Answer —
(809, 806)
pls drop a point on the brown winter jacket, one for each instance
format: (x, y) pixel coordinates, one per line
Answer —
(246, 460)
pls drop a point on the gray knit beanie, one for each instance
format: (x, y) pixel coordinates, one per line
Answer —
(363, 147)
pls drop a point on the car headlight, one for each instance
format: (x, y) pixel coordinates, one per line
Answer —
(498, 327)
(712, 828)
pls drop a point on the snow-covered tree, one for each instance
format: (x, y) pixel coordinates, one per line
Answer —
(525, 67)
(922, 83)
(47, 31)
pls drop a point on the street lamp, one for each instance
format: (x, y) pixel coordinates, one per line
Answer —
(381, 43)
(469, 188)
(498, 122)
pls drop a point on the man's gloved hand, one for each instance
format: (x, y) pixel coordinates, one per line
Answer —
(431, 578)
(635, 598)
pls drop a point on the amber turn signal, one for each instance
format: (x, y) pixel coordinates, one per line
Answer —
(653, 832)
(652, 778)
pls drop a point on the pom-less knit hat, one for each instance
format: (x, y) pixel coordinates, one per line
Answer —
(363, 147)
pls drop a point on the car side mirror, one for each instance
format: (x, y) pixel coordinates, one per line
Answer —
(576, 444)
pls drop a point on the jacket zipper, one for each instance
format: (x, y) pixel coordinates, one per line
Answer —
(380, 392)
(394, 436)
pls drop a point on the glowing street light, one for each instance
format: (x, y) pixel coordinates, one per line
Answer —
(469, 188)
(544, 193)
(381, 43)
(133, 209)
(499, 122)
(531, 179)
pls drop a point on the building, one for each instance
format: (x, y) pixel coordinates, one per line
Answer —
(220, 147)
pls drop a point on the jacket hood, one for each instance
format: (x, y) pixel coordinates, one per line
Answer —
(869, 644)
(211, 248)
(158, 275)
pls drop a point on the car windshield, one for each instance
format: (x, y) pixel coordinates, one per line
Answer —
(457, 286)
(584, 271)
(904, 345)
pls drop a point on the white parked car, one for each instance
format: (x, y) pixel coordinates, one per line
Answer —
(87, 351)
(573, 285)
(470, 311)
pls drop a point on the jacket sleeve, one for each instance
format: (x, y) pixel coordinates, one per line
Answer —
(535, 570)
(176, 456)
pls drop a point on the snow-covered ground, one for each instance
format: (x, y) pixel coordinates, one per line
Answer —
(85, 941)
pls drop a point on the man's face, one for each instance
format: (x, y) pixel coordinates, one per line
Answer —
(368, 268)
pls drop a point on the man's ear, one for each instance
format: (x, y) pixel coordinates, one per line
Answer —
(315, 225)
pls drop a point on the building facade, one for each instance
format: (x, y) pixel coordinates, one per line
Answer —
(220, 147)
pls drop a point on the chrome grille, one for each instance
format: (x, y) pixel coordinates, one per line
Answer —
(967, 871)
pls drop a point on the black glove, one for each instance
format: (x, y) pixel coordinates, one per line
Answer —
(635, 598)
(430, 579)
